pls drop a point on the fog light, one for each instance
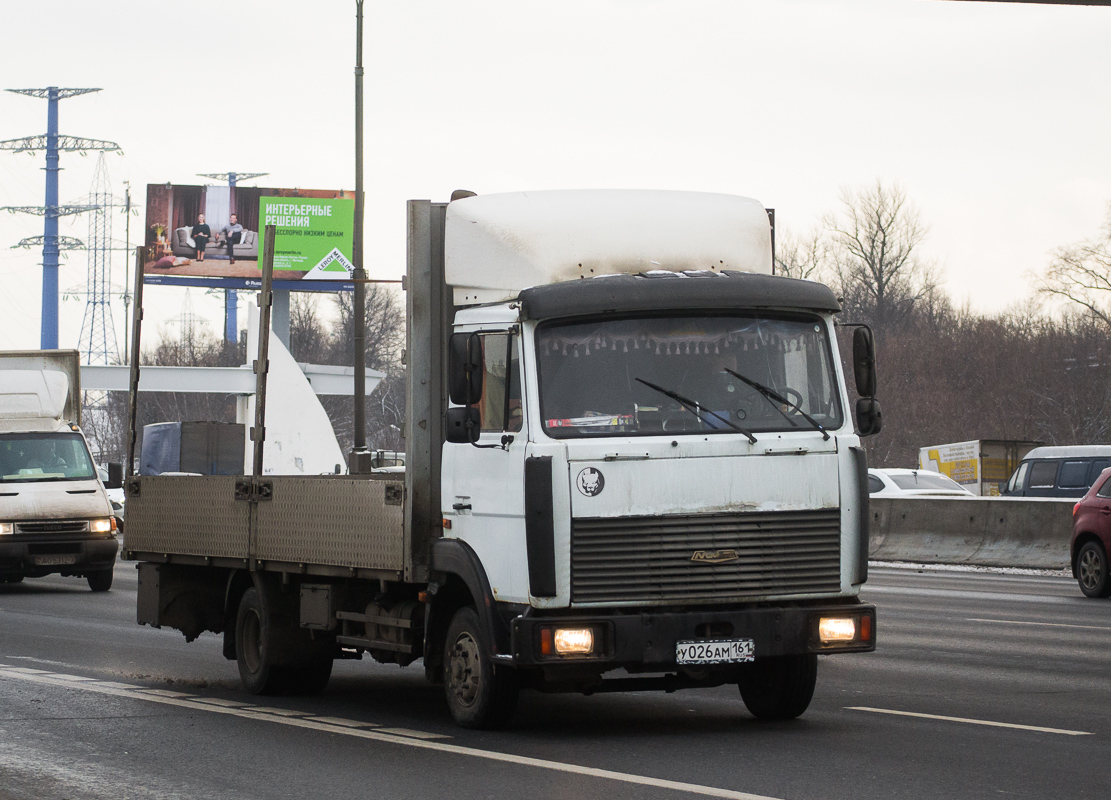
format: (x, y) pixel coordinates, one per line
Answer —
(574, 641)
(101, 525)
(837, 629)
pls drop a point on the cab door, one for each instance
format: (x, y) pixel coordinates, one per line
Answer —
(485, 499)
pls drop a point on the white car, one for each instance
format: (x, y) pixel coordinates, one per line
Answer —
(913, 483)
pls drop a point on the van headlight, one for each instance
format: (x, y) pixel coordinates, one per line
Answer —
(6, 528)
(103, 525)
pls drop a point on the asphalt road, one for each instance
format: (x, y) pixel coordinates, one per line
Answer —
(982, 686)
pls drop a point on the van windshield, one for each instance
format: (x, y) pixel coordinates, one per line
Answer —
(44, 456)
(620, 377)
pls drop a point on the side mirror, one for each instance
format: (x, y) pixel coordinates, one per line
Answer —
(464, 369)
(864, 362)
(869, 417)
(463, 425)
(115, 476)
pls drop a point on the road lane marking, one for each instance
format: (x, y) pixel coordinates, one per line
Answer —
(117, 685)
(219, 701)
(282, 712)
(187, 702)
(414, 734)
(165, 693)
(969, 721)
(1045, 624)
(347, 723)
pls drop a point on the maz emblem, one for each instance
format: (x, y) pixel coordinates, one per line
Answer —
(714, 556)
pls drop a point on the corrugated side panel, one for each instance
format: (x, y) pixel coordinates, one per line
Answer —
(649, 559)
(187, 516)
(337, 521)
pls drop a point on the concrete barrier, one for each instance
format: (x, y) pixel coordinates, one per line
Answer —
(981, 531)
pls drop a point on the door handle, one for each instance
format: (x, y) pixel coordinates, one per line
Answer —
(1105, 510)
(461, 506)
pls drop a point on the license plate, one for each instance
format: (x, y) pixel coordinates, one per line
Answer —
(52, 561)
(719, 651)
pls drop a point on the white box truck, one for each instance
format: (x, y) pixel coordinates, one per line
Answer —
(630, 464)
(55, 515)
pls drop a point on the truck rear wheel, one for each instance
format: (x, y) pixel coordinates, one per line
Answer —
(252, 648)
(479, 694)
(780, 687)
(100, 580)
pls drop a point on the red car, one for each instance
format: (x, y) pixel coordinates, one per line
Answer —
(1091, 538)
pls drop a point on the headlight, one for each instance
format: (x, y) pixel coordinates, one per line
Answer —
(566, 641)
(103, 525)
(6, 527)
(837, 629)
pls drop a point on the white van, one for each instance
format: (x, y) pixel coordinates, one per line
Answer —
(55, 516)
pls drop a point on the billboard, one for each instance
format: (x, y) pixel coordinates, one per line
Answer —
(213, 235)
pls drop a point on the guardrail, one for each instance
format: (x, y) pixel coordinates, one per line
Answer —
(980, 531)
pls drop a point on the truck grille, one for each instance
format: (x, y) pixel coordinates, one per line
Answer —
(649, 559)
(54, 526)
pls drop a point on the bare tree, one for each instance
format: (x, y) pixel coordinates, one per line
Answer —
(809, 257)
(880, 274)
(1081, 274)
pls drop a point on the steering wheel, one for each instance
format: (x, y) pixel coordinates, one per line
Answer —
(794, 396)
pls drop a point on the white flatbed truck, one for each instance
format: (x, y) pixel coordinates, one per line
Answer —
(629, 465)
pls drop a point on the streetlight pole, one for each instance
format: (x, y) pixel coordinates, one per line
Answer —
(359, 452)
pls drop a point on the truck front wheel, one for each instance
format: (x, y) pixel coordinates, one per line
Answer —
(252, 648)
(479, 694)
(780, 687)
(100, 580)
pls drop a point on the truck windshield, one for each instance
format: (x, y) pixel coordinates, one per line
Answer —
(589, 375)
(44, 456)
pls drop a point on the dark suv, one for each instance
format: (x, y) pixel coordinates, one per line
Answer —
(1091, 538)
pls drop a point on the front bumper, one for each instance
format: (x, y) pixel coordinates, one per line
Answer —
(33, 555)
(646, 641)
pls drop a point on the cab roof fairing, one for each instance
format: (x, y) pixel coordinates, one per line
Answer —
(497, 245)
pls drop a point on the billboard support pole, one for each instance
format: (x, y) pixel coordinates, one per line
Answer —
(360, 456)
(231, 297)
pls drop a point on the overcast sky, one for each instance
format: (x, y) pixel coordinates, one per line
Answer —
(994, 117)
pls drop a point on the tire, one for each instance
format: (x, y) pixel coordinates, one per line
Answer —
(101, 580)
(252, 648)
(12, 579)
(779, 687)
(479, 694)
(1091, 570)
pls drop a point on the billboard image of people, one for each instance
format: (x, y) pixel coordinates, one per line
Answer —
(207, 232)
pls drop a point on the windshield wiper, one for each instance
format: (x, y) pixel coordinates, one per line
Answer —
(771, 394)
(694, 407)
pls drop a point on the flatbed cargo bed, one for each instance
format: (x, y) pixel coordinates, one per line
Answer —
(340, 525)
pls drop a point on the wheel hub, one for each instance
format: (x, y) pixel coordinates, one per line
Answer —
(1091, 570)
(464, 669)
